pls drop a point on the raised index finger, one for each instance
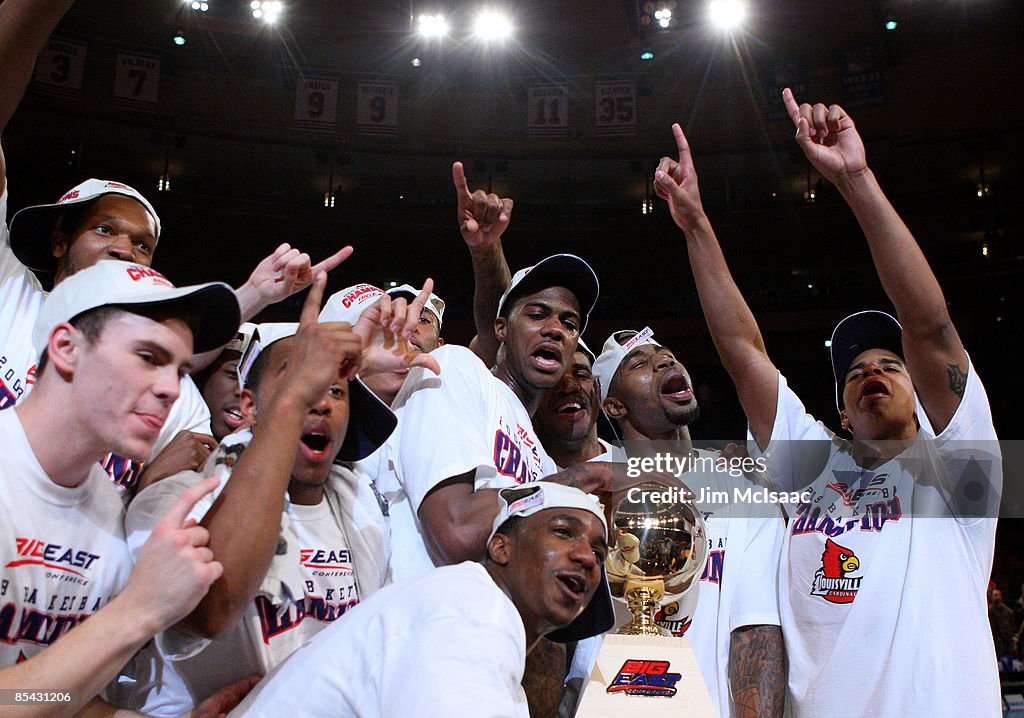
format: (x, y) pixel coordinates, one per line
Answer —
(416, 306)
(176, 515)
(792, 109)
(333, 261)
(311, 309)
(681, 144)
(459, 178)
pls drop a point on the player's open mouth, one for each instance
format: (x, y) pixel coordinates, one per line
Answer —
(575, 585)
(675, 387)
(572, 409)
(233, 417)
(547, 358)
(874, 389)
(315, 444)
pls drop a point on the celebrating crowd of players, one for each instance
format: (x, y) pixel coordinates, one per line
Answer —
(377, 523)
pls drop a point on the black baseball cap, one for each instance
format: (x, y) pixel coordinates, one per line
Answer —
(870, 329)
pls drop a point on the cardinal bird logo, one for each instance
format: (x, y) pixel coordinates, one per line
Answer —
(832, 581)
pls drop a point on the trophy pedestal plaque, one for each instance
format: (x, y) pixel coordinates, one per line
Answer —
(650, 676)
(646, 676)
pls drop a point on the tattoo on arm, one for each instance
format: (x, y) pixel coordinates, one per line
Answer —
(957, 379)
(757, 672)
(544, 678)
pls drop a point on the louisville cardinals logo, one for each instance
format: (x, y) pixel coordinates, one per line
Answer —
(832, 581)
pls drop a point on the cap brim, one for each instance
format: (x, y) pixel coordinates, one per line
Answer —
(370, 423)
(31, 233)
(597, 618)
(858, 333)
(211, 310)
(561, 270)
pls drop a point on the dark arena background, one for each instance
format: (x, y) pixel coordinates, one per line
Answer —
(338, 123)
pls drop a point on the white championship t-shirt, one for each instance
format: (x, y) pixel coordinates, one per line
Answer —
(883, 579)
(325, 589)
(63, 550)
(464, 420)
(21, 298)
(446, 643)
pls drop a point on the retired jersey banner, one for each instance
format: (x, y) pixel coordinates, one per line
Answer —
(861, 78)
(547, 111)
(377, 109)
(316, 103)
(615, 109)
(59, 68)
(137, 81)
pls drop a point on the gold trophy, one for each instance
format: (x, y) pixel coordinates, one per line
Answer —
(659, 549)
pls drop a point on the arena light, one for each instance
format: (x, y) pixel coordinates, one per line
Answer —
(179, 38)
(199, 5)
(432, 26)
(727, 15)
(267, 10)
(492, 26)
(890, 23)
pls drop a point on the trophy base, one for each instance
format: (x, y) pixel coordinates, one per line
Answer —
(653, 676)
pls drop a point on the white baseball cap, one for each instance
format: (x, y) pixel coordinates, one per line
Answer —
(527, 499)
(434, 304)
(211, 310)
(370, 420)
(581, 346)
(32, 227)
(350, 303)
(615, 349)
(559, 270)
(242, 338)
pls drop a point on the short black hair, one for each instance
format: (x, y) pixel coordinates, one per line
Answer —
(254, 377)
(510, 527)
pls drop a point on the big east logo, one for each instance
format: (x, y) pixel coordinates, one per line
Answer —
(645, 678)
(51, 555)
(321, 558)
(831, 581)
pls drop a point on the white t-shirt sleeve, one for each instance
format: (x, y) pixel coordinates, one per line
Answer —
(143, 515)
(443, 424)
(799, 444)
(971, 476)
(150, 505)
(421, 681)
(755, 600)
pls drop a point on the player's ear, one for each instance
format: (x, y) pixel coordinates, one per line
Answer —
(844, 419)
(440, 342)
(60, 242)
(63, 348)
(247, 405)
(499, 550)
(500, 327)
(614, 408)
